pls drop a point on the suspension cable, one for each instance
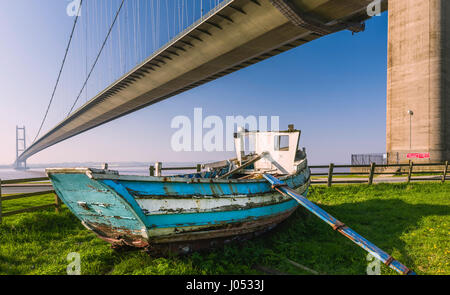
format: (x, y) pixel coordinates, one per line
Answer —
(98, 56)
(60, 70)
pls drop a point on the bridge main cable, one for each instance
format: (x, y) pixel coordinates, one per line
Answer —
(98, 56)
(60, 70)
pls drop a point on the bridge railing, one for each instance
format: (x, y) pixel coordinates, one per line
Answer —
(4, 198)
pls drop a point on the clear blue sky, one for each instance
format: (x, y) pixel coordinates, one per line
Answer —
(333, 89)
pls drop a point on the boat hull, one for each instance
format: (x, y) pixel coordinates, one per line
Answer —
(174, 214)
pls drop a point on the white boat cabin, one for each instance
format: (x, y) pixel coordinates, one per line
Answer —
(277, 150)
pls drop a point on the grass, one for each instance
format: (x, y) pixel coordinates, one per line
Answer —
(411, 222)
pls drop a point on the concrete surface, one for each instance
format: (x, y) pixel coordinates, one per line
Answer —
(418, 80)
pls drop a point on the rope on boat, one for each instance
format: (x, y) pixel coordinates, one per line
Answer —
(384, 257)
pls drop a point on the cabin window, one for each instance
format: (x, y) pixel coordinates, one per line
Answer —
(282, 143)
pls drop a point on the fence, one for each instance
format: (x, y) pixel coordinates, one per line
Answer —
(372, 172)
(56, 204)
(157, 169)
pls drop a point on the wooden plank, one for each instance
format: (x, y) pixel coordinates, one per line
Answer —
(152, 170)
(31, 209)
(410, 171)
(179, 168)
(57, 204)
(427, 172)
(425, 179)
(21, 196)
(330, 175)
(390, 173)
(381, 165)
(14, 181)
(444, 175)
(372, 171)
(351, 166)
(158, 168)
(246, 164)
(319, 167)
(429, 164)
(350, 173)
(343, 173)
(349, 181)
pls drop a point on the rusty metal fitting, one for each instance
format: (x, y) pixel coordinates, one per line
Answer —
(338, 225)
(389, 260)
(277, 185)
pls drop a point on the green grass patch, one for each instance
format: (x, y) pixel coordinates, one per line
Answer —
(409, 221)
(28, 202)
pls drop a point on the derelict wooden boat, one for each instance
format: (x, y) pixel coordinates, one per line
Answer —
(228, 201)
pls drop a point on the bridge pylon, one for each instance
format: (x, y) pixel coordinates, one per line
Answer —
(21, 145)
(418, 88)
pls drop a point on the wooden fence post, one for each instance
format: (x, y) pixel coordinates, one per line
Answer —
(330, 175)
(57, 204)
(372, 172)
(158, 168)
(199, 167)
(410, 171)
(445, 172)
(152, 170)
(0, 201)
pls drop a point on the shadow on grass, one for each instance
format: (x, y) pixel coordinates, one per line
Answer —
(303, 238)
(313, 243)
(42, 221)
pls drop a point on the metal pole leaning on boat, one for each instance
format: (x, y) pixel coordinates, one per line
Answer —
(246, 164)
(338, 226)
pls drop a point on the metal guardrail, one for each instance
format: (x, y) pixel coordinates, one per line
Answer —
(56, 204)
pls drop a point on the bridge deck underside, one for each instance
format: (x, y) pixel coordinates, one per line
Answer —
(239, 34)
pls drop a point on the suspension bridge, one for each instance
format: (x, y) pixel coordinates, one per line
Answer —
(150, 50)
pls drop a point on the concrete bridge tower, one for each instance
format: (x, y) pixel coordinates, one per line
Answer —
(418, 88)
